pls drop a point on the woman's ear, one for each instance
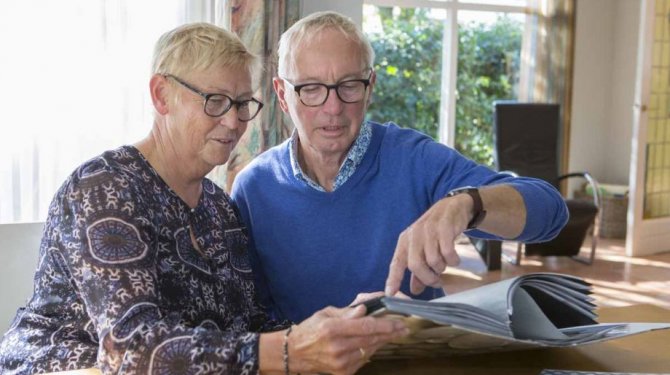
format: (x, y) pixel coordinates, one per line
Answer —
(158, 87)
(280, 90)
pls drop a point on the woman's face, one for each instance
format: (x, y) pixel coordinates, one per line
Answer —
(196, 136)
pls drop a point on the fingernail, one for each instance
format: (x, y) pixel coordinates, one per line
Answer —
(400, 326)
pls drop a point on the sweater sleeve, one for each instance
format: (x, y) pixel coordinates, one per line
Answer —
(444, 169)
(109, 257)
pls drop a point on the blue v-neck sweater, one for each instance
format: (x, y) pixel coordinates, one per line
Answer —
(311, 249)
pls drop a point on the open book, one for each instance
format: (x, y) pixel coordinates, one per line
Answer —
(529, 311)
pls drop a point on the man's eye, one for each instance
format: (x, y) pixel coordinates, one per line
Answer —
(349, 85)
(311, 89)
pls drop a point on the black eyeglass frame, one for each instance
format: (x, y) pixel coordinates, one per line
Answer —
(206, 96)
(336, 86)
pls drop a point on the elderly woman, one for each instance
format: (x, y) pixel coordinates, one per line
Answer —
(143, 263)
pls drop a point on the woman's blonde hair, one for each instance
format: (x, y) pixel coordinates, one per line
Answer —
(199, 46)
(311, 25)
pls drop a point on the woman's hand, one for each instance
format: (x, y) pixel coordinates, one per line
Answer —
(339, 341)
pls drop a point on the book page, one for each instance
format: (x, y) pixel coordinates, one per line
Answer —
(529, 322)
(492, 298)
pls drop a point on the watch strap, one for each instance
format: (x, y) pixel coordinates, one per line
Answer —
(478, 211)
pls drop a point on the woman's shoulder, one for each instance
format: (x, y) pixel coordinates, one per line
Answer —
(122, 160)
(118, 172)
(118, 164)
(105, 186)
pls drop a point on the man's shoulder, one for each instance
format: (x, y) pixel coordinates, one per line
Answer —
(267, 163)
(394, 132)
(268, 158)
(397, 138)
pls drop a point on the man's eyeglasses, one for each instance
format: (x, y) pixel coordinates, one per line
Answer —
(218, 104)
(315, 94)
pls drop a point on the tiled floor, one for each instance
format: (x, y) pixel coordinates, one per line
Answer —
(618, 280)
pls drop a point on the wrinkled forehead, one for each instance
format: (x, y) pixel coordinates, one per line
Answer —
(329, 49)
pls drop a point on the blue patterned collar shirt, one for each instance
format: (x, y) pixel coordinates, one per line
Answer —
(348, 167)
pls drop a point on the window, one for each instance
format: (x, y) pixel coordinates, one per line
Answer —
(75, 83)
(441, 64)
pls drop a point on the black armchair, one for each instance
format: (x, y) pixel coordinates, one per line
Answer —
(526, 139)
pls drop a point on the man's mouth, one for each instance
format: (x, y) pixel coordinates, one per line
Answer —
(331, 128)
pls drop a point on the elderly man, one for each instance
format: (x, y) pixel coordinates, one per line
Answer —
(347, 206)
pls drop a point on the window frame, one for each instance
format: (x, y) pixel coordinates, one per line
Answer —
(447, 126)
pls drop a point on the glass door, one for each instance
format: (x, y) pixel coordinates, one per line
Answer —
(649, 207)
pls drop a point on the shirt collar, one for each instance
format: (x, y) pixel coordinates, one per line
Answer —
(353, 159)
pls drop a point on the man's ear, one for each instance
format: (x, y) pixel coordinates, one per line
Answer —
(373, 80)
(280, 90)
(158, 89)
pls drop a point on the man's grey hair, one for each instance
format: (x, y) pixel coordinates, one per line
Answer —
(310, 26)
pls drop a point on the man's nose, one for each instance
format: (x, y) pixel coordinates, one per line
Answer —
(333, 103)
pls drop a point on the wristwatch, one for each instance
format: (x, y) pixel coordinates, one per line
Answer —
(478, 211)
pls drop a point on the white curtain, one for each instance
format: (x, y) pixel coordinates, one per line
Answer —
(74, 80)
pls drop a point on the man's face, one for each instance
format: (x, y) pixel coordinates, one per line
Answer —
(330, 129)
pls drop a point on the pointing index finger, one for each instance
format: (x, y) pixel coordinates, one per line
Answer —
(397, 268)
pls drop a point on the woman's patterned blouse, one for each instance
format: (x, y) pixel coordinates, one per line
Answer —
(121, 286)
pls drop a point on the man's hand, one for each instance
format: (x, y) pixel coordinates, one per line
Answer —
(426, 247)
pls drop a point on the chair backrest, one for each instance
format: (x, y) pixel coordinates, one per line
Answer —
(526, 139)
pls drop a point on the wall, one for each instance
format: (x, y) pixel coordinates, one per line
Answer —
(19, 249)
(603, 88)
(352, 8)
(591, 86)
(620, 131)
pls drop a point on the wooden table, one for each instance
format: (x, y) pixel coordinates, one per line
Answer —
(647, 352)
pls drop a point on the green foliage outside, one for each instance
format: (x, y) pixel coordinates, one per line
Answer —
(408, 65)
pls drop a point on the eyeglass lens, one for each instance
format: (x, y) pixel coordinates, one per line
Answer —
(348, 92)
(216, 105)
